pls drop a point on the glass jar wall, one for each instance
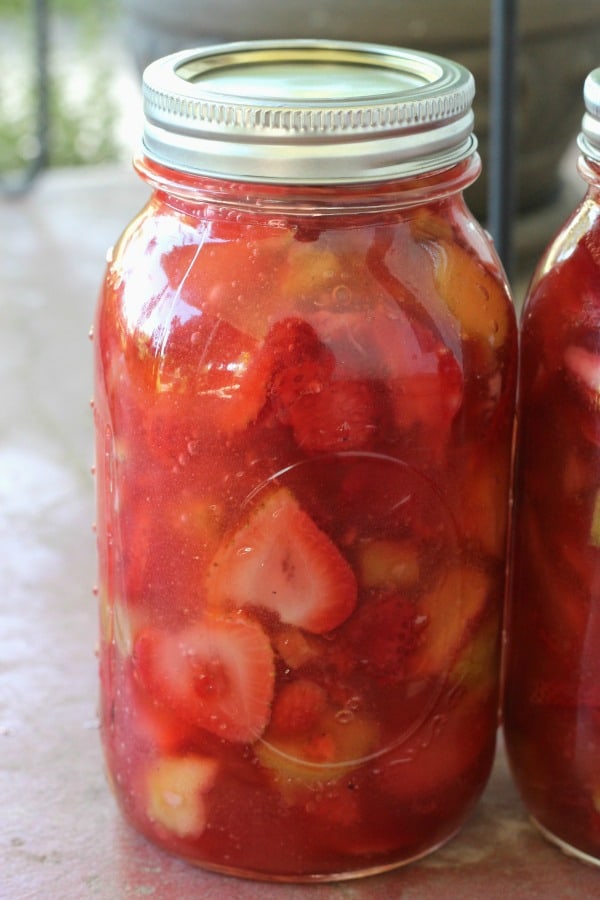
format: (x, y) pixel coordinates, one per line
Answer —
(304, 406)
(552, 706)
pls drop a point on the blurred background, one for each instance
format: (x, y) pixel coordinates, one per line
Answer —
(70, 119)
(71, 74)
(73, 51)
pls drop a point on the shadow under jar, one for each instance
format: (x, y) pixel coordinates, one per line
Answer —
(305, 373)
(552, 704)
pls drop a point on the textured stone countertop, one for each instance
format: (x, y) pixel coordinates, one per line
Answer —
(61, 837)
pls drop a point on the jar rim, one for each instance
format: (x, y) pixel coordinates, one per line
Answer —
(307, 111)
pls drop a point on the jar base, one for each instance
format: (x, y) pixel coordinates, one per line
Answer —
(566, 848)
(282, 878)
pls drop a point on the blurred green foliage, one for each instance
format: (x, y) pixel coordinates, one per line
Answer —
(18, 7)
(80, 84)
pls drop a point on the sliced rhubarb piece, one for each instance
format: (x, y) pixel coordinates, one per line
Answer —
(311, 272)
(595, 526)
(175, 790)
(388, 563)
(482, 497)
(335, 744)
(295, 647)
(476, 669)
(217, 674)
(472, 292)
(449, 612)
(280, 560)
(429, 223)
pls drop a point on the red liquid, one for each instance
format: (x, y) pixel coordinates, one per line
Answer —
(303, 458)
(552, 717)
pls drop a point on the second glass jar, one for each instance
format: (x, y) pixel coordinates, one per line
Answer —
(552, 697)
(304, 407)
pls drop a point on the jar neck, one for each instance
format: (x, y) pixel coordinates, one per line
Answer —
(589, 170)
(309, 199)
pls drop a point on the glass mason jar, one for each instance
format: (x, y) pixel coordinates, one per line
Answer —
(305, 377)
(552, 698)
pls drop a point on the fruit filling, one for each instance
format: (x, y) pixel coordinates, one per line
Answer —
(303, 465)
(552, 705)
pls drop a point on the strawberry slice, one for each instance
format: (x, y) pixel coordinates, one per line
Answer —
(231, 272)
(280, 560)
(298, 708)
(342, 416)
(422, 375)
(206, 379)
(385, 633)
(431, 397)
(217, 675)
(300, 363)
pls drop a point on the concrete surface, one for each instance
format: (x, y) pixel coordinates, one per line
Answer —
(61, 837)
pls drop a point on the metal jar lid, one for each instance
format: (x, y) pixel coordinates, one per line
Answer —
(307, 112)
(589, 138)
